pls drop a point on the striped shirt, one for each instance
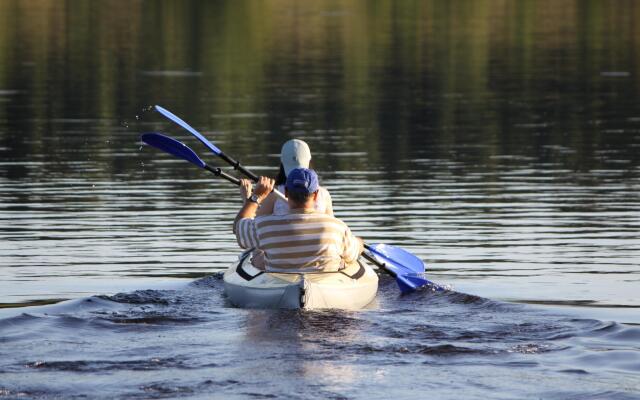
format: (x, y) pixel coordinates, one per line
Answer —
(300, 241)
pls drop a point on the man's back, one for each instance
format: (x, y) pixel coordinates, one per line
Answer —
(300, 241)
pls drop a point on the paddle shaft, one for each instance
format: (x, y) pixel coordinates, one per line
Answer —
(218, 172)
(236, 165)
(374, 261)
(377, 263)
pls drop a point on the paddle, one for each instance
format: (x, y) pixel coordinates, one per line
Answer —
(405, 258)
(181, 150)
(214, 149)
(405, 267)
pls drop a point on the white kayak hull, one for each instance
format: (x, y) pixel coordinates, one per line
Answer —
(248, 287)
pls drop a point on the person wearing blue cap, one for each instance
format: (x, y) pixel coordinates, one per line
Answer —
(304, 240)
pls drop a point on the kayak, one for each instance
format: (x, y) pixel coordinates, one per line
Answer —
(248, 287)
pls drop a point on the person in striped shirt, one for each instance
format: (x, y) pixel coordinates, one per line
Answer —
(304, 240)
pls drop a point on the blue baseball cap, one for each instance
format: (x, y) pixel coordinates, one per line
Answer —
(302, 180)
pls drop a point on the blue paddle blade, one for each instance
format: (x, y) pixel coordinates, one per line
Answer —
(408, 261)
(188, 127)
(411, 282)
(172, 146)
(408, 283)
(402, 273)
(408, 269)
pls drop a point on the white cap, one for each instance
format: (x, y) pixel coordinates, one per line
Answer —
(295, 154)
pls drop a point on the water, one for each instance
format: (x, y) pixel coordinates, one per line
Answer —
(498, 141)
(189, 342)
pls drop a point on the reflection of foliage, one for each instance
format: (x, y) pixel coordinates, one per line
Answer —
(395, 79)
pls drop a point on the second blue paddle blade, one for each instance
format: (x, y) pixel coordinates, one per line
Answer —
(172, 146)
(399, 256)
(189, 128)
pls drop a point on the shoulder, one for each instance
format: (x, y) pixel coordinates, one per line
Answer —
(323, 201)
(325, 198)
(324, 192)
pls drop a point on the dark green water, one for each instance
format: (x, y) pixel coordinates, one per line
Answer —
(497, 140)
